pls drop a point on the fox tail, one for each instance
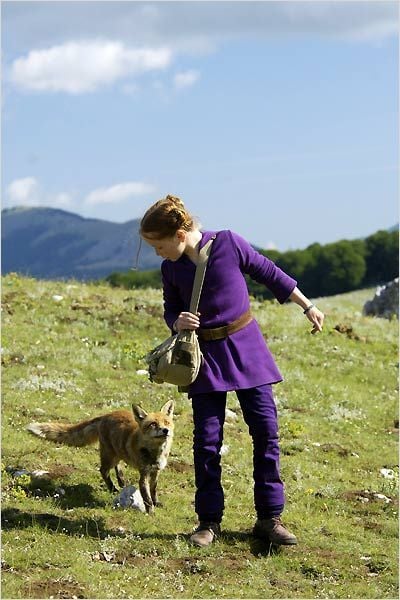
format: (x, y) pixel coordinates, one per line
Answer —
(81, 434)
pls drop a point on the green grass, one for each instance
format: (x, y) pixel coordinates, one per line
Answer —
(78, 357)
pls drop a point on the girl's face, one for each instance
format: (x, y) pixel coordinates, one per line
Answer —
(170, 248)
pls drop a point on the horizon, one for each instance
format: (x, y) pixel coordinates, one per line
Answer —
(275, 119)
(63, 210)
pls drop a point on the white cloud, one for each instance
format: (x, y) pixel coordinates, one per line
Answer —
(61, 199)
(194, 26)
(27, 192)
(80, 67)
(357, 20)
(186, 79)
(118, 193)
(78, 54)
(22, 192)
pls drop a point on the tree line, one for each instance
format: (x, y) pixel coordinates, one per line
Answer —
(322, 270)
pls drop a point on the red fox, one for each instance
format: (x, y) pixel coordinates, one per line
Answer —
(143, 440)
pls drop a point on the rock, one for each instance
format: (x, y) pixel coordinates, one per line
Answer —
(382, 497)
(17, 472)
(387, 473)
(129, 497)
(40, 474)
(385, 303)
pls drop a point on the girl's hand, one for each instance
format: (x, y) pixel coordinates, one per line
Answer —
(316, 317)
(187, 320)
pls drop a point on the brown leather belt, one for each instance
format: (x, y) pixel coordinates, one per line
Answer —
(219, 333)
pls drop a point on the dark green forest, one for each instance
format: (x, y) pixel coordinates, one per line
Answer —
(321, 270)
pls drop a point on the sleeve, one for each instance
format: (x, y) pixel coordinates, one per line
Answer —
(262, 269)
(173, 304)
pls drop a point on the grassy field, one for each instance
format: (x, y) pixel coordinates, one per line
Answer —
(73, 351)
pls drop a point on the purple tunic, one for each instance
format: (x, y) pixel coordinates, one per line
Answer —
(243, 359)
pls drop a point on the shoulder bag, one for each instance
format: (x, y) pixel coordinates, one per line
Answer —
(178, 359)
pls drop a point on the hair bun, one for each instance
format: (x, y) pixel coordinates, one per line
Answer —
(165, 217)
(175, 201)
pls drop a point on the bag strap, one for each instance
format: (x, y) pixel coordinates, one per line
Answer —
(199, 276)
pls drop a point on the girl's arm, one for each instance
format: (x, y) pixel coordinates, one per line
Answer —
(312, 313)
(173, 304)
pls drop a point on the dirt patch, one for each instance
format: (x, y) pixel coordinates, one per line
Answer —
(372, 526)
(6, 568)
(64, 319)
(378, 565)
(154, 311)
(12, 359)
(311, 571)
(366, 496)
(57, 471)
(395, 428)
(233, 562)
(180, 466)
(337, 448)
(141, 562)
(192, 566)
(86, 309)
(64, 587)
(349, 332)
(188, 565)
(328, 554)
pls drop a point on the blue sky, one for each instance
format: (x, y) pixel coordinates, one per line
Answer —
(278, 120)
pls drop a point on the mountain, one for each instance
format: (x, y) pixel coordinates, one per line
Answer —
(55, 244)
(49, 243)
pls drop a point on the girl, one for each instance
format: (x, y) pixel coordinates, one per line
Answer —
(235, 353)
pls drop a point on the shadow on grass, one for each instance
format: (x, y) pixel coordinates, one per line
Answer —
(80, 495)
(13, 518)
(257, 546)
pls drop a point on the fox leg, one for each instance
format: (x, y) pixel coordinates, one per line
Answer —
(153, 487)
(145, 491)
(120, 476)
(106, 464)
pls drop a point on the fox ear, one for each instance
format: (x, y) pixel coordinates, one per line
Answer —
(138, 412)
(168, 408)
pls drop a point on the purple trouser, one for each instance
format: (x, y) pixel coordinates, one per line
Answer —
(259, 412)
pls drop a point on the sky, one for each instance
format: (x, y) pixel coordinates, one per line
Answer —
(275, 119)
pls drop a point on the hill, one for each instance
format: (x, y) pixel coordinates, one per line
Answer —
(56, 244)
(72, 351)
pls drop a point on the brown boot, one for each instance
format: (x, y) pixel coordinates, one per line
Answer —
(274, 531)
(205, 533)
